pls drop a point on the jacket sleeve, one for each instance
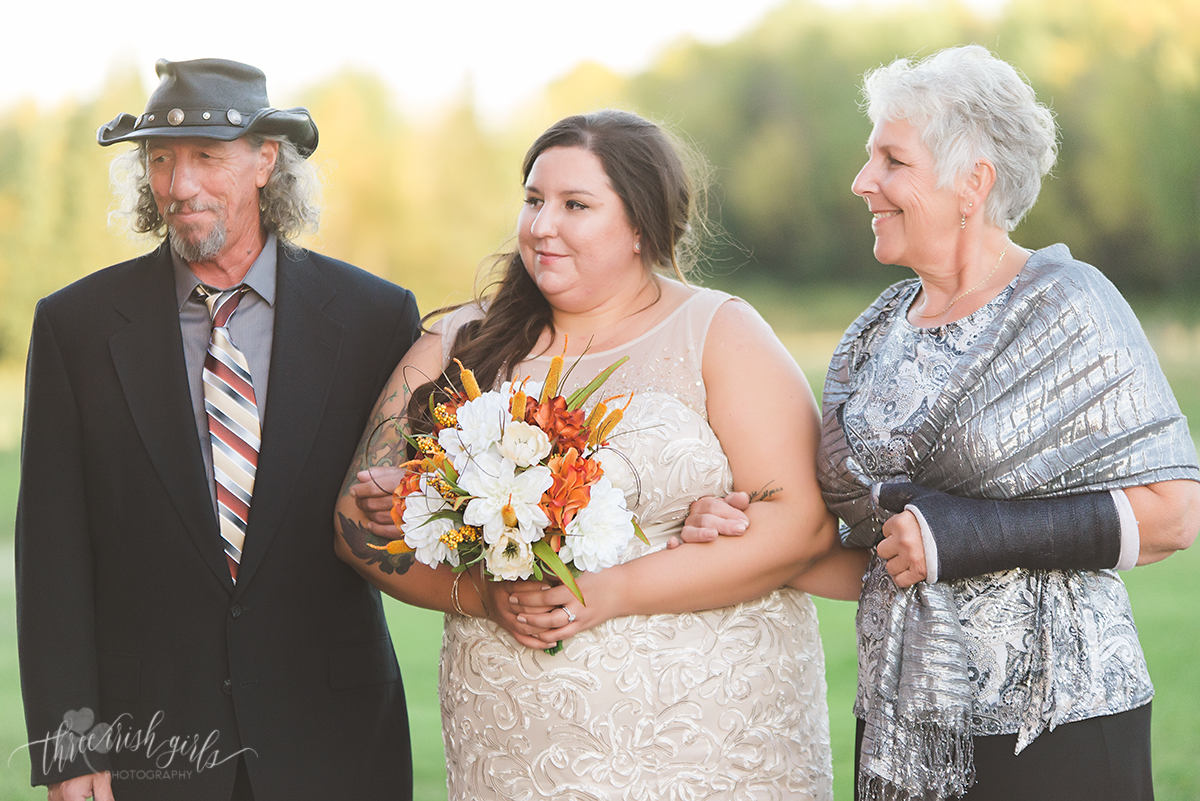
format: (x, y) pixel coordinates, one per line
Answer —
(408, 328)
(54, 573)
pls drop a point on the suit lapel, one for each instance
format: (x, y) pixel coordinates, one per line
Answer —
(148, 358)
(304, 355)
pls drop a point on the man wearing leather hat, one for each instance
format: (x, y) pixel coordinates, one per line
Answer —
(185, 629)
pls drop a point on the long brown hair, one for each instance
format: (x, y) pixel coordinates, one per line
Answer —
(647, 171)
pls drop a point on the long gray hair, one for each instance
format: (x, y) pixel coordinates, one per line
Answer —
(289, 205)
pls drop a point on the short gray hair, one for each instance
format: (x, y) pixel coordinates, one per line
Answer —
(971, 106)
(289, 205)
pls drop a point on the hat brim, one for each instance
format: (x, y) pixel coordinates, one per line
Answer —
(294, 123)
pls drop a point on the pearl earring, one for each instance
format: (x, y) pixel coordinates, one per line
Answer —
(637, 247)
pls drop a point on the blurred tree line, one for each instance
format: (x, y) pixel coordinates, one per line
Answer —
(422, 199)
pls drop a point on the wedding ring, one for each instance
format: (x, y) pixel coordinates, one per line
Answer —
(570, 614)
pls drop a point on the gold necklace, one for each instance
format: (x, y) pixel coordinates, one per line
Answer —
(968, 292)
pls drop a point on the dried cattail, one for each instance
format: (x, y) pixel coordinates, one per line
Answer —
(470, 385)
(518, 406)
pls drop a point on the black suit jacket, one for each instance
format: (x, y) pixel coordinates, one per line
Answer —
(127, 616)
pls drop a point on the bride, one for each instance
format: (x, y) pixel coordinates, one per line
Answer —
(692, 672)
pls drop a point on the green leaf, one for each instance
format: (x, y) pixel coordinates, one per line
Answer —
(410, 439)
(445, 514)
(580, 396)
(543, 551)
(641, 535)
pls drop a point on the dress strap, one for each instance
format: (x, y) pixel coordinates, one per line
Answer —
(452, 323)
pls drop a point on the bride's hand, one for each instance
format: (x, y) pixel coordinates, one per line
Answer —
(505, 613)
(554, 613)
(711, 517)
(373, 496)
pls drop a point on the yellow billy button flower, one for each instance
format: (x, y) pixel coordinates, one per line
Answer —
(444, 417)
(470, 385)
(457, 536)
(429, 446)
(442, 486)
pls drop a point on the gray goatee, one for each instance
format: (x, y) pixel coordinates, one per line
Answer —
(192, 248)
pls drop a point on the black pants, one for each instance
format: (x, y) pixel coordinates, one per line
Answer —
(1099, 759)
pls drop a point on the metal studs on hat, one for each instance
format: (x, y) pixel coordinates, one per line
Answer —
(206, 116)
(175, 116)
(233, 116)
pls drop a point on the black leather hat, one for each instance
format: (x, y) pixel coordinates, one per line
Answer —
(214, 99)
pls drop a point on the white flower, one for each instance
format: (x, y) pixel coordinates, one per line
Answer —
(524, 444)
(480, 425)
(423, 533)
(499, 491)
(599, 532)
(510, 558)
(616, 469)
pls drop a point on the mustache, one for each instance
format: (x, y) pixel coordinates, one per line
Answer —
(178, 206)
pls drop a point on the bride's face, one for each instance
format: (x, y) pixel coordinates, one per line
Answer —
(574, 235)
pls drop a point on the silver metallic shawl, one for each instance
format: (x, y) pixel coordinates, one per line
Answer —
(1061, 394)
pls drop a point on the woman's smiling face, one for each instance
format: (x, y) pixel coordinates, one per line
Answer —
(913, 219)
(573, 232)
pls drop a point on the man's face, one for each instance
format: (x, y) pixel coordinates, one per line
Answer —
(207, 191)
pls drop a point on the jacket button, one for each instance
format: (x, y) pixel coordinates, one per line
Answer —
(236, 611)
(227, 687)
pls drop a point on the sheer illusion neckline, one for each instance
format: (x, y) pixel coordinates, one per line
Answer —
(651, 331)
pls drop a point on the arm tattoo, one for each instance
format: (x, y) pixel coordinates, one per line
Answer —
(381, 444)
(766, 493)
(359, 538)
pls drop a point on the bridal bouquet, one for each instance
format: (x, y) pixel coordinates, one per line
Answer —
(513, 478)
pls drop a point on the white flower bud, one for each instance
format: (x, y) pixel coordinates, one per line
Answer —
(526, 445)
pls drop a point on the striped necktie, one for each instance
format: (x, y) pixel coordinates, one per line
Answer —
(233, 423)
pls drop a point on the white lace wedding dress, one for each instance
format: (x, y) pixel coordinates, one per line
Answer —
(728, 703)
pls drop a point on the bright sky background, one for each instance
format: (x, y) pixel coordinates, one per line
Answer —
(505, 50)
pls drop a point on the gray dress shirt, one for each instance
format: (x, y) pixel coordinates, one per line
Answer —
(251, 328)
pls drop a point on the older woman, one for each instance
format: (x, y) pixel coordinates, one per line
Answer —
(1000, 431)
(650, 697)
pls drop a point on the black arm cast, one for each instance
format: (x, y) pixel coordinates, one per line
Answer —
(1074, 532)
